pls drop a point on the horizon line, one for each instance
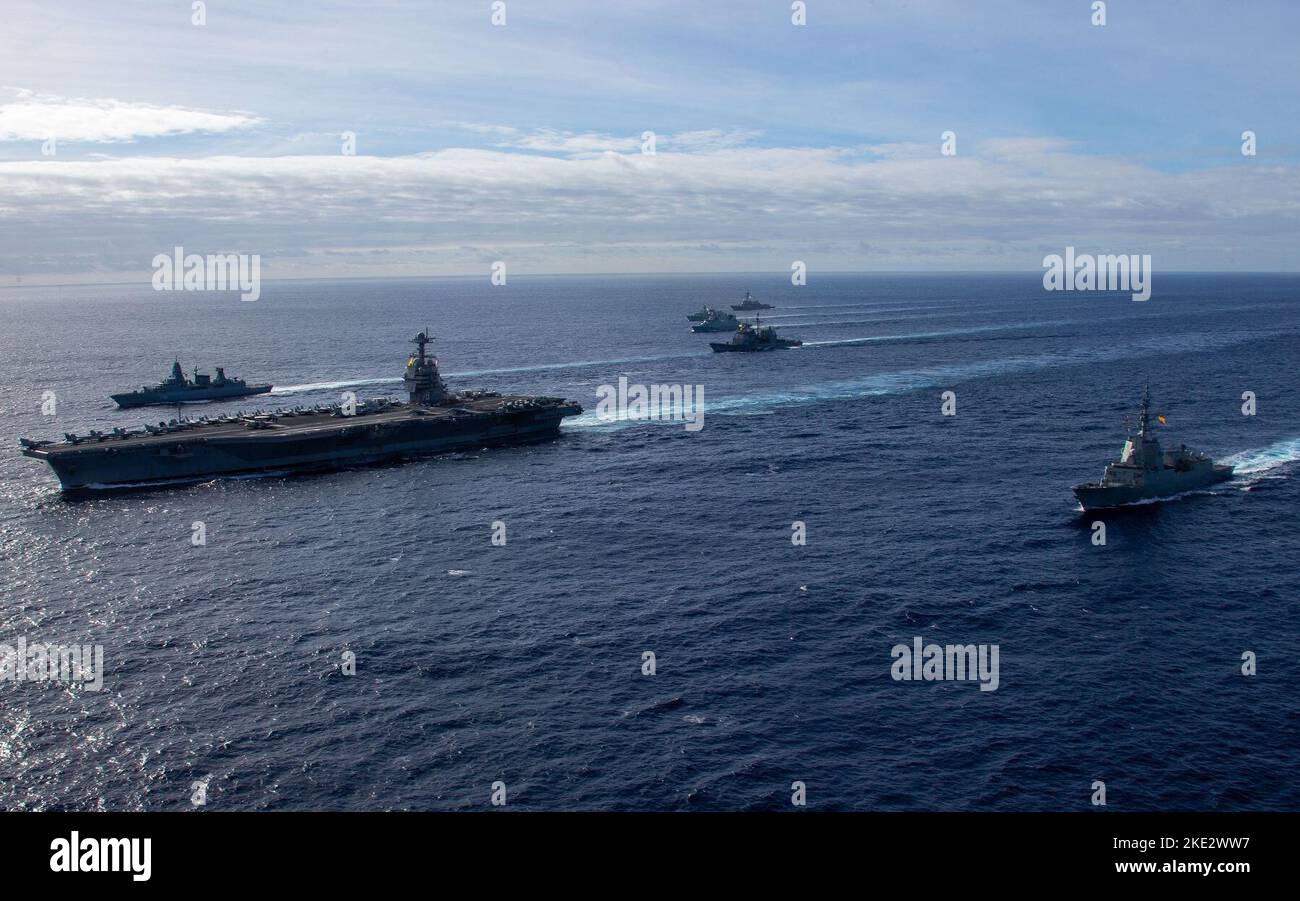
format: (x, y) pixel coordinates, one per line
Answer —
(660, 274)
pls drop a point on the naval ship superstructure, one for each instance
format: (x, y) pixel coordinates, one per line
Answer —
(434, 420)
(1145, 471)
(177, 389)
(749, 303)
(751, 338)
(716, 321)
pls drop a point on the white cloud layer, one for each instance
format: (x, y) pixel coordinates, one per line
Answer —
(1002, 207)
(32, 117)
(567, 143)
(774, 143)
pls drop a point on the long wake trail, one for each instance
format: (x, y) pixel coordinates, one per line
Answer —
(916, 379)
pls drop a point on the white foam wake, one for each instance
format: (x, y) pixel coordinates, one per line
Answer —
(331, 386)
(948, 333)
(1254, 462)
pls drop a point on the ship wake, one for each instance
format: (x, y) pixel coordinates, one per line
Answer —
(331, 386)
(899, 382)
(1266, 460)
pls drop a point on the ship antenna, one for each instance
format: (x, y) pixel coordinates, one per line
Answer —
(1146, 400)
(420, 341)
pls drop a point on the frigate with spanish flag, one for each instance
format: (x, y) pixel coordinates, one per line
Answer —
(1145, 471)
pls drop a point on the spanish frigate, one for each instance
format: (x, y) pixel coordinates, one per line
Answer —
(1145, 471)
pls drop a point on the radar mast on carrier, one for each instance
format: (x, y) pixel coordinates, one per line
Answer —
(423, 381)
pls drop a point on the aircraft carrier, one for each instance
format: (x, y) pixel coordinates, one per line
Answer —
(433, 421)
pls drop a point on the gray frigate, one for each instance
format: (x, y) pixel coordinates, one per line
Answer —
(177, 389)
(716, 321)
(434, 420)
(749, 303)
(1145, 471)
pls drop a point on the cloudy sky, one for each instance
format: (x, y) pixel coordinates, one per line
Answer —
(125, 129)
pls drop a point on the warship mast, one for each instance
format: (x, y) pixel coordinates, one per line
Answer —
(1149, 446)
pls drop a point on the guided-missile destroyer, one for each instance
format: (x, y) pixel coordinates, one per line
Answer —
(1146, 472)
(177, 389)
(432, 421)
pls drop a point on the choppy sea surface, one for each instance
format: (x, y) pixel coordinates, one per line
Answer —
(522, 663)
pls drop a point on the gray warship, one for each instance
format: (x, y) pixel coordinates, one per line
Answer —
(699, 315)
(1146, 472)
(716, 321)
(752, 338)
(749, 303)
(177, 389)
(434, 420)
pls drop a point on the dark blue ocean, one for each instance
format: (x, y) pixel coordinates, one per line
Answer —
(522, 663)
